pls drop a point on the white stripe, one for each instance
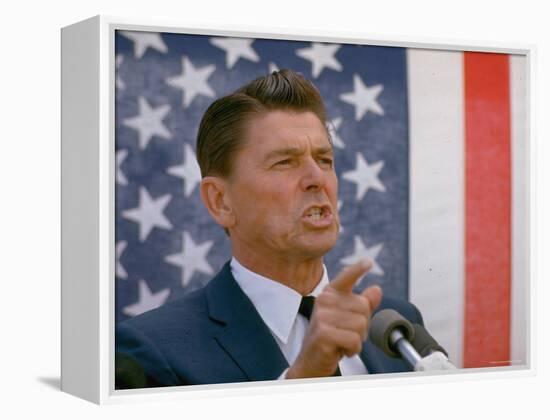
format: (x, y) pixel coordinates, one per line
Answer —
(436, 247)
(520, 200)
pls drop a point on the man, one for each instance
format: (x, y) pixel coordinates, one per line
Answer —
(267, 164)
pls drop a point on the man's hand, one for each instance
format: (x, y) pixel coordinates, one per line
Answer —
(338, 325)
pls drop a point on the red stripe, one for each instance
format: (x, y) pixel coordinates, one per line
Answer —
(488, 214)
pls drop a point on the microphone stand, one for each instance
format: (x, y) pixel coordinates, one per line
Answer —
(405, 348)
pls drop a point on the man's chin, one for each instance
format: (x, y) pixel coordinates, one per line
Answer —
(320, 245)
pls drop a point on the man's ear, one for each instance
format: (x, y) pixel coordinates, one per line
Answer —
(216, 199)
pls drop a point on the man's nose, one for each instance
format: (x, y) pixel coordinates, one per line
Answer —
(313, 176)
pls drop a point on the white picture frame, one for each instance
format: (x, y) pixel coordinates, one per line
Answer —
(88, 219)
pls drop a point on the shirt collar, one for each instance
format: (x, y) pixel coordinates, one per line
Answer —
(276, 303)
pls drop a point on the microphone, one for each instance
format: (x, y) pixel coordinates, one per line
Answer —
(397, 337)
(393, 334)
(424, 343)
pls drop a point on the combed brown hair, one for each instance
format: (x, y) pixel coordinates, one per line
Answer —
(222, 128)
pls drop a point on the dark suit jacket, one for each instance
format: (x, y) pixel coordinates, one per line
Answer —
(215, 335)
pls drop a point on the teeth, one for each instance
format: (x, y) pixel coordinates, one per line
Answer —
(315, 213)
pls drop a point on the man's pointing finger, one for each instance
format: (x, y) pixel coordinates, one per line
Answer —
(347, 278)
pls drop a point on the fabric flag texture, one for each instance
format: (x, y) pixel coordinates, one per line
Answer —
(430, 152)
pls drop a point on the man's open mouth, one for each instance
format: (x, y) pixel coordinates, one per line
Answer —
(317, 212)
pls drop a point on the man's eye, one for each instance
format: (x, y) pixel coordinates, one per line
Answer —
(283, 162)
(326, 161)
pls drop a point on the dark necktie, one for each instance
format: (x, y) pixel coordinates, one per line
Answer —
(306, 308)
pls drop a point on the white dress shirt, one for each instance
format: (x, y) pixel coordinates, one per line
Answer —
(278, 306)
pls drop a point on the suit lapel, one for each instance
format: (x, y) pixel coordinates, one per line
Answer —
(248, 341)
(245, 336)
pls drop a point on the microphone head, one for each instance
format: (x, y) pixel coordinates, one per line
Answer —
(424, 343)
(382, 324)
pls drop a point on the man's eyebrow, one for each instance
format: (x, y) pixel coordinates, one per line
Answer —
(324, 150)
(295, 151)
(287, 151)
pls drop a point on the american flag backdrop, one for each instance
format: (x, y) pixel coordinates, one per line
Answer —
(424, 153)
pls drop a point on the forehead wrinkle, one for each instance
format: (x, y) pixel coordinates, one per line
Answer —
(300, 150)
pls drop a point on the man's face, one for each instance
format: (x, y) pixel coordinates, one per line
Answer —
(283, 188)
